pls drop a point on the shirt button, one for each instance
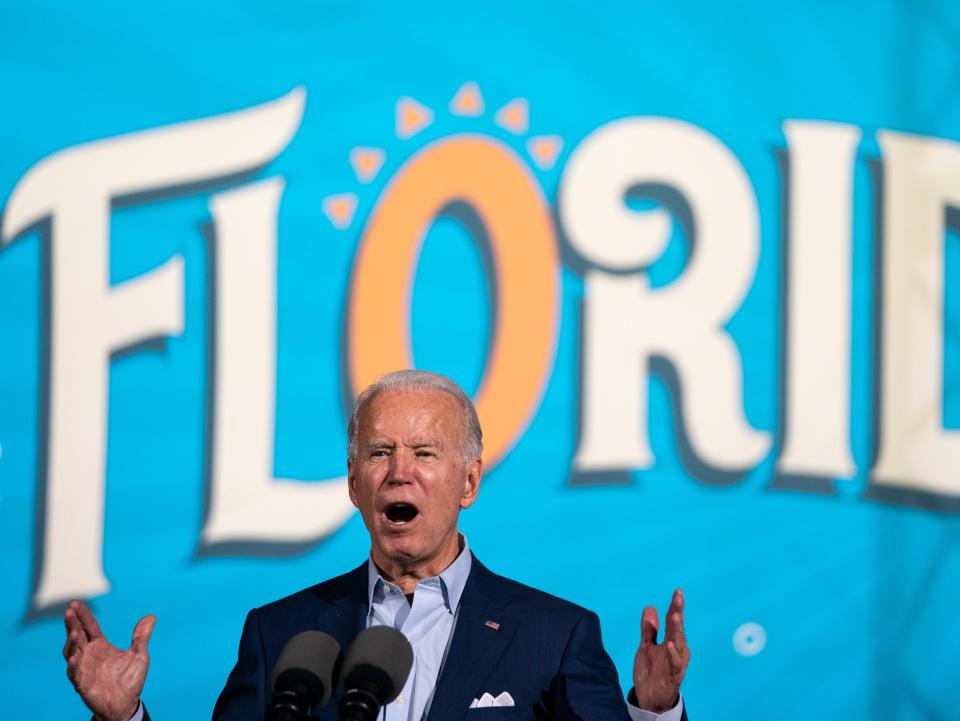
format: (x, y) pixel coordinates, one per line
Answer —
(400, 700)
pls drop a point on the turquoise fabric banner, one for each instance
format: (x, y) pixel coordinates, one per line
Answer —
(696, 263)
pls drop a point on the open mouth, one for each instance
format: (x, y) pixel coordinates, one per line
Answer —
(400, 513)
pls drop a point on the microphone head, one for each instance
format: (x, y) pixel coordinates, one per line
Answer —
(309, 660)
(379, 660)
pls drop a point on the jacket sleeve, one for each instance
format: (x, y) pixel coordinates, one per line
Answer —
(244, 696)
(587, 687)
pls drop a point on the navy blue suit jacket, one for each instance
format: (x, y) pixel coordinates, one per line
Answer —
(546, 652)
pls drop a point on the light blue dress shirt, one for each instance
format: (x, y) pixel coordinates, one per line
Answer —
(427, 623)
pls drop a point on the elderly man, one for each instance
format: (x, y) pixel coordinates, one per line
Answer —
(414, 463)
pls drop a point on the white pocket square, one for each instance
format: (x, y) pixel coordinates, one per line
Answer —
(488, 701)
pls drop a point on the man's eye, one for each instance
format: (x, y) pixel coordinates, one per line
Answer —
(426, 454)
(378, 453)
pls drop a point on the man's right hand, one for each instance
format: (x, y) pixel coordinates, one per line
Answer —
(108, 680)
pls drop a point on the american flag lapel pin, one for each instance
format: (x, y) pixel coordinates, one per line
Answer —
(492, 624)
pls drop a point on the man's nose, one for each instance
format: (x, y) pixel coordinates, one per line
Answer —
(401, 466)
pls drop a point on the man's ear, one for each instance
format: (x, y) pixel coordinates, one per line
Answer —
(351, 484)
(471, 483)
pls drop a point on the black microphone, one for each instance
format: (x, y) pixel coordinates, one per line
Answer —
(374, 671)
(303, 677)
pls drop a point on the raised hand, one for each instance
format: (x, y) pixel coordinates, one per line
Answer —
(108, 679)
(658, 669)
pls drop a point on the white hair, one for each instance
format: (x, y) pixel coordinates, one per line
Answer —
(416, 380)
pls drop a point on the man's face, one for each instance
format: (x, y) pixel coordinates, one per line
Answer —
(409, 478)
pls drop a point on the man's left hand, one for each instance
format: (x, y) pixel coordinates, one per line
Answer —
(658, 668)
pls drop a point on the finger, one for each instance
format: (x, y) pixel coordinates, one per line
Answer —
(676, 660)
(69, 645)
(674, 631)
(75, 633)
(649, 626)
(76, 641)
(87, 619)
(676, 602)
(73, 668)
(142, 633)
(71, 622)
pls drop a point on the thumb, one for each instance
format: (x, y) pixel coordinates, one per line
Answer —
(141, 634)
(649, 626)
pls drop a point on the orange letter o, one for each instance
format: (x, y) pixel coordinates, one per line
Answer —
(490, 177)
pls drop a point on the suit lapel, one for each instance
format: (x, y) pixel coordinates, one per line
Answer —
(343, 618)
(480, 639)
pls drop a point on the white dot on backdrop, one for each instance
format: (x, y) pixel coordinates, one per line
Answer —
(749, 639)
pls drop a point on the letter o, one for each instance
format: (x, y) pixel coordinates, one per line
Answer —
(489, 177)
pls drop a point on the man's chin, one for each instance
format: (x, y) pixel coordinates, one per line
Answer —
(407, 551)
(400, 549)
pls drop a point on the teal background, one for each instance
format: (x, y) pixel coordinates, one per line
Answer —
(858, 599)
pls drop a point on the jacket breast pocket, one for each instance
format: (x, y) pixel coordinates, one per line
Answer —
(499, 713)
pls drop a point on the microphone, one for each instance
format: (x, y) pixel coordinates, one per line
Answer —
(374, 671)
(303, 677)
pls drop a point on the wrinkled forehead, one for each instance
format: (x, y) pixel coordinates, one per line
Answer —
(412, 407)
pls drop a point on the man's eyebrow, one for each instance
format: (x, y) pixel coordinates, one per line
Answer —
(380, 444)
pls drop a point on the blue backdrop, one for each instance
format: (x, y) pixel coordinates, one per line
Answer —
(807, 601)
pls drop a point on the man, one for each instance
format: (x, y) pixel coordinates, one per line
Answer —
(414, 462)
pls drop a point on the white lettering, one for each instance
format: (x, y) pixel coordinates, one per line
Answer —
(628, 322)
(246, 503)
(819, 264)
(89, 319)
(921, 179)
